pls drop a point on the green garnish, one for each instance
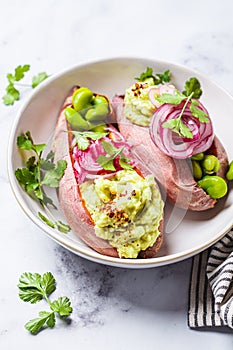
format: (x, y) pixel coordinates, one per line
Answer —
(158, 78)
(193, 85)
(40, 172)
(107, 162)
(190, 94)
(12, 93)
(82, 138)
(37, 79)
(34, 287)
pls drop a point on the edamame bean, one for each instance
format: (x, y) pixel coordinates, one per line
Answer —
(99, 128)
(197, 171)
(99, 100)
(215, 186)
(97, 113)
(198, 156)
(210, 164)
(229, 174)
(81, 98)
(76, 120)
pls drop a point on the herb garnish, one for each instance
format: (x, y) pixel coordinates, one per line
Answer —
(107, 162)
(158, 78)
(12, 93)
(82, 138)
(190, 94)
(33, 288)
(40, 172)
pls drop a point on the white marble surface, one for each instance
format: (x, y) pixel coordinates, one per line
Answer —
(113, 308)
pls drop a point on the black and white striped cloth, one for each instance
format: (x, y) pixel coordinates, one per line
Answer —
(211, 287)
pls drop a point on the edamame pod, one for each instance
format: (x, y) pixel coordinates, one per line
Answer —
(215, 186)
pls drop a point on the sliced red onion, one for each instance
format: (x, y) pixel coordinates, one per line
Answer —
(170, 142)
(85, 161)
(158, 90)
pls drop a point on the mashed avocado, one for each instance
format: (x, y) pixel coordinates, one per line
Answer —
(126, 210)
(138, 108)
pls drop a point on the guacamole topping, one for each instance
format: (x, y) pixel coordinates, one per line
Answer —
(138, 108)
(126, 210)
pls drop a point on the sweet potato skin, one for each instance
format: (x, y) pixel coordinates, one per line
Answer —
(70, 199)
(174, 175)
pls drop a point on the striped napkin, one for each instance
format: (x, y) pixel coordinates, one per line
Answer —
(211, 288)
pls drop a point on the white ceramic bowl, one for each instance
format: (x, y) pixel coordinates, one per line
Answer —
(185, 234)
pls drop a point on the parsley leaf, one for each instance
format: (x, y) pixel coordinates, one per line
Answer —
(37, 79)
(34, 287)
(158, 78)
(107, 162)
(39, 172)
(82, 138)
(193, 86)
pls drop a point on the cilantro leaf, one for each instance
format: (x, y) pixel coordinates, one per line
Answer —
(175, 99)
(52, 176)
(158, 78)
(40, 172)
(34, 287)
(82, 138)
(12, 95)
(107, 162)
(19, 72)
(185, 131)
(165, 77)
(62, 306)
(193, 86)
(29, 287)
(48, 283)
(177, 126)
(124, 163)
(198, 113)
(25, 142)
(36, 324)
(37, 79)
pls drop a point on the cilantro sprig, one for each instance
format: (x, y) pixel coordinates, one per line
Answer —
(107, 162)
(159, 78)
(12, 93)
(33, 288)
(190, 95)
(39, 172)
(83, 138)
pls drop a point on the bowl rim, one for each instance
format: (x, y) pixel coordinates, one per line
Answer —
(53, 234)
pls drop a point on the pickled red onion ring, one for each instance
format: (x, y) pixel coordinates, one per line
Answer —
(170, 142)
(158, 91)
